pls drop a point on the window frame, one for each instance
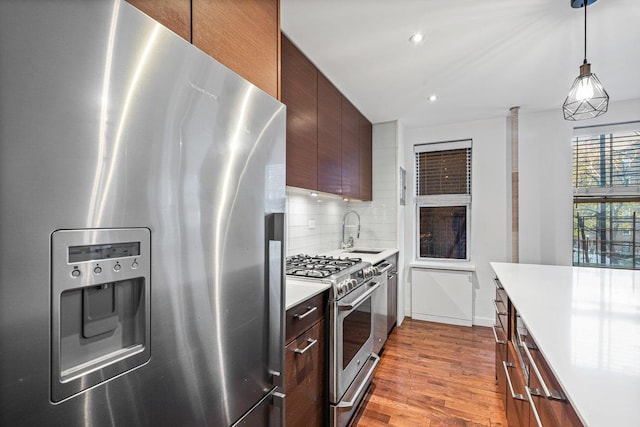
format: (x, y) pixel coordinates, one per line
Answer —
(607, 195)
(442, 200)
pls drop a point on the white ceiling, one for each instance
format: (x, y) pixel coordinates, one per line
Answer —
(480, 57)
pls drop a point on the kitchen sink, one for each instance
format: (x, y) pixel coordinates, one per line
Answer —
(365, 251)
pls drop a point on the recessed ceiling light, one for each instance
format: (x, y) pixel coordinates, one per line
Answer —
(416, 38)
(314, 194)
(433, 98)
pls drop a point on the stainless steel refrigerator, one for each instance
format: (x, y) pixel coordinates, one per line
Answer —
(142, 198)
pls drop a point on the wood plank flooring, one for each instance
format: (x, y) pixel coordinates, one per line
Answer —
(434, 375)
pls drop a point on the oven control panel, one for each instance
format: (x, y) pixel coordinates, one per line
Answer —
(346, 286)
(354, 280)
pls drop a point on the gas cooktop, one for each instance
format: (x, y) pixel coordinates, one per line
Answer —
(318, 266)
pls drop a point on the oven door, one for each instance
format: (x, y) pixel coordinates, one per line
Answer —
(352, 338)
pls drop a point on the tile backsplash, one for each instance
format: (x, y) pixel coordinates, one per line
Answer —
(314, 224)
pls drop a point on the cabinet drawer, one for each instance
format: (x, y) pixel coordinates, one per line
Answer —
(304, 376)
(500, 337)
(501, 300)
(549, 401)
(516, 402)
(303, 315)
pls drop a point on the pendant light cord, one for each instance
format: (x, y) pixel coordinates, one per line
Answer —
(586, 2)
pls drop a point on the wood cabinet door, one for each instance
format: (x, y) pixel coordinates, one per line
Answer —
(329, 137)
(350, 150)
(300, 95)
(243, 35)
(173, 14)
(365, 134)
(304, 374)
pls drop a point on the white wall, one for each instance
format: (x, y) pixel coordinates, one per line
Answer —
(402, 226)
(488, 203)
(545, 191)
(545, 158)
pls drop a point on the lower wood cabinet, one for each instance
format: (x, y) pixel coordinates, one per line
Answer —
(306, 402)
(533, 396)
(516, 402)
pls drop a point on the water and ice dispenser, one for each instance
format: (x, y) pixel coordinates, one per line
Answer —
(100, 306)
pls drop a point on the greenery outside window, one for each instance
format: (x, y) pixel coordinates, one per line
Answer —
(606, 200)
(443, 200)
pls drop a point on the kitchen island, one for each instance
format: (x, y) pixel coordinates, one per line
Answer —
(586, 324)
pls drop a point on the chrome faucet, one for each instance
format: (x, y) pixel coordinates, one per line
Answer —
(349, 243)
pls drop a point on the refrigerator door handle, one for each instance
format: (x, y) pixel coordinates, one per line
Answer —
(275, 231)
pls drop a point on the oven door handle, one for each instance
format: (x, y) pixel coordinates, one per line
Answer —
(383, 268)
(363, 384)
(353, 304)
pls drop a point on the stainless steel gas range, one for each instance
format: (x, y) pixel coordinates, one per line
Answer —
(351, 358)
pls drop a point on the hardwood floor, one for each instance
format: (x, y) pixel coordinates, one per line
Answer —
(434, 375)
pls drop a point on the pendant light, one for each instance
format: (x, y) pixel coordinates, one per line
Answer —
(587, 98)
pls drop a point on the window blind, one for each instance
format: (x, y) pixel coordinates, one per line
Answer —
(443, 172)
(610, 161)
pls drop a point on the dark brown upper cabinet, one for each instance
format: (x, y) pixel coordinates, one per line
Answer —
(243, 35)
(173, 14)
(366, 151)
(300, 95)
(350, 150)
(329, 137)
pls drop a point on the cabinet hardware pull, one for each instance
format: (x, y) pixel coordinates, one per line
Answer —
(549, 394)
(311, 342)
(497, 282)
(529, 392)
(306, 313)
(498, 312)
(515, 395)
(495, 335)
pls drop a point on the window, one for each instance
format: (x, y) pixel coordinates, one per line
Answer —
(606, 200)
(443, 200)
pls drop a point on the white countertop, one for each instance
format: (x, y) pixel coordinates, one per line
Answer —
(300, 290)
(586, 322)
(372, 258)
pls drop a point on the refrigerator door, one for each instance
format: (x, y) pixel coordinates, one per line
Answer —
(110, 121)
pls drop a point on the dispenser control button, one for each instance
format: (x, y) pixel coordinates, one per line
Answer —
(97, 270)
(75, 273)
(117, 267)
(134, 264)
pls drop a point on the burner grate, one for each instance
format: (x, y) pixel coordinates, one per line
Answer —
(317, 266)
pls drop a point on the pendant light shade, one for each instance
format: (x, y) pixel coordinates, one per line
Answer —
(587, 98)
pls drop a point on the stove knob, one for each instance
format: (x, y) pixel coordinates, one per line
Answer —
(352, 283)
(342, 288)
